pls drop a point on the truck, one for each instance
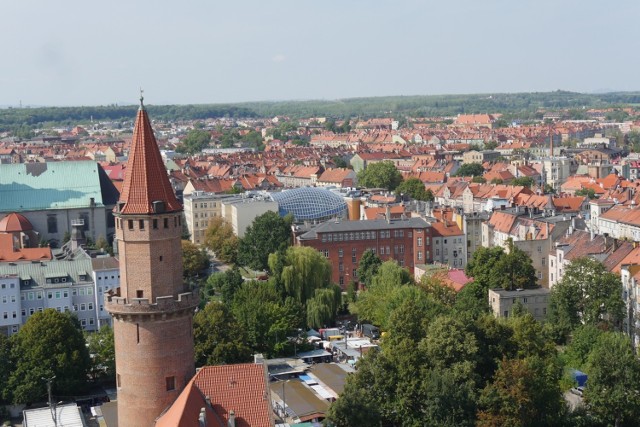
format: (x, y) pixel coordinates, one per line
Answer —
(370, 331)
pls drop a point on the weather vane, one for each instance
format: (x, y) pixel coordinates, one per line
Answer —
(141, 97)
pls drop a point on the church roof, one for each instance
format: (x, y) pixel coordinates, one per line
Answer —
(146, 179)
(14, 222)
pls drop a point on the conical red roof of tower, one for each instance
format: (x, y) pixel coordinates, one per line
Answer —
(146, 179)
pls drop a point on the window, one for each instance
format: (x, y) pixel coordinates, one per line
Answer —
(83, 322)
(24, 312)
(52, 224)
(155, 223)
(90, 306)
(340, 253)
(130, 223)
(524, 300)
(166, 223)
(506, 313)
(118, 381)
(141, 224)
(419, 255)
(401, 249)
(340, 267)
(419, 241)
(83, 307)
(341, 280)
(326, 253)
(171, 383)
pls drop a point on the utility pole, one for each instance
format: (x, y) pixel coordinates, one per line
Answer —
(52, 406)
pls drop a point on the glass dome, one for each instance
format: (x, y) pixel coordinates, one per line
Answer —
(310, 203)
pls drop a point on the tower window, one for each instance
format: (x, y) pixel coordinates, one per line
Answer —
(155, 224)
(139, 293)
(166, 223)
(130, 224)
(118, 381)
(141, 223)
(160, 257)
(171, 383)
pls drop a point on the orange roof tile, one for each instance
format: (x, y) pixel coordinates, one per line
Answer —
(14, 222)
(146, 178)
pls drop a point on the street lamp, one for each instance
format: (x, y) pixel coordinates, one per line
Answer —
(284, 401)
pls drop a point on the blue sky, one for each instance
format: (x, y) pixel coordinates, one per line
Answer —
(73, 52)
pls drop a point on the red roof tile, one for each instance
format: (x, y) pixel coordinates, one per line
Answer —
(146, 177)
(14, 222)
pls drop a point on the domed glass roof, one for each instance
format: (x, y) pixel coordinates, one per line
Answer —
(308, 203)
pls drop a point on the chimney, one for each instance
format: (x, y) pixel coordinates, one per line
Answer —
(232, 419)
(388, 214)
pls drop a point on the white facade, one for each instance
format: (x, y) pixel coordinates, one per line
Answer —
(240, 213)
(62, 285)
(199, 208)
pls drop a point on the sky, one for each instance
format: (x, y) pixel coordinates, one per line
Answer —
(79, 52)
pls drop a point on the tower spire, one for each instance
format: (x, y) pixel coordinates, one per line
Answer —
(146, 186)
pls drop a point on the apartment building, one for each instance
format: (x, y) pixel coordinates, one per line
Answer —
(75, 285)
(407, 241)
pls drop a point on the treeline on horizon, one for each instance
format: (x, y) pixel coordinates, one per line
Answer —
(515, 105)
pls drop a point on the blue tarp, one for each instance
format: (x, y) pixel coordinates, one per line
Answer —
(580, 377)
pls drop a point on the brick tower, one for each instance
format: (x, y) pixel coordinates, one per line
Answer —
(153, 309)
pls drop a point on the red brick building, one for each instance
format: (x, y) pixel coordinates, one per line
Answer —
(406, 240)
(152, 310)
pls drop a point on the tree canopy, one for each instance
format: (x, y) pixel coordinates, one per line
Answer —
(494, 268)
(380, 175)
(194, 142)
(470, 169)
(49, 344)
(614, 374)
(217, 336)
(268, 233)
(219, 238)
(194, 259)
(415, 189)
(587, 294)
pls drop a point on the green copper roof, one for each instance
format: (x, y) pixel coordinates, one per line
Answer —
(51, 185)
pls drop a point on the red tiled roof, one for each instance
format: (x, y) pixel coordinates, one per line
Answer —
(241, 388)
(146, 177)
(8, 253)
(14, 222)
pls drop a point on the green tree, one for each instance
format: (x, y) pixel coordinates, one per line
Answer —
(587, 294)
(5, 369)
(586, 192)
(217, 237)
(414, 188)
(583, 340)
(268, 233)
(614, 374)
(380, 175)
(494, 268)
(103, 353)
(266, 320)
(194, 142)
(523, 393)
(387, 290)
(194, 259)
(524, 181)
(368, 266)
(217, 337)
(322, 308)
(49, 344)
(303, 270)
(227, 283)
(470, 169)
(339, 162)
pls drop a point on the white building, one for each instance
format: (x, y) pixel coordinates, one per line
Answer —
(64, 285)
(241, 211)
